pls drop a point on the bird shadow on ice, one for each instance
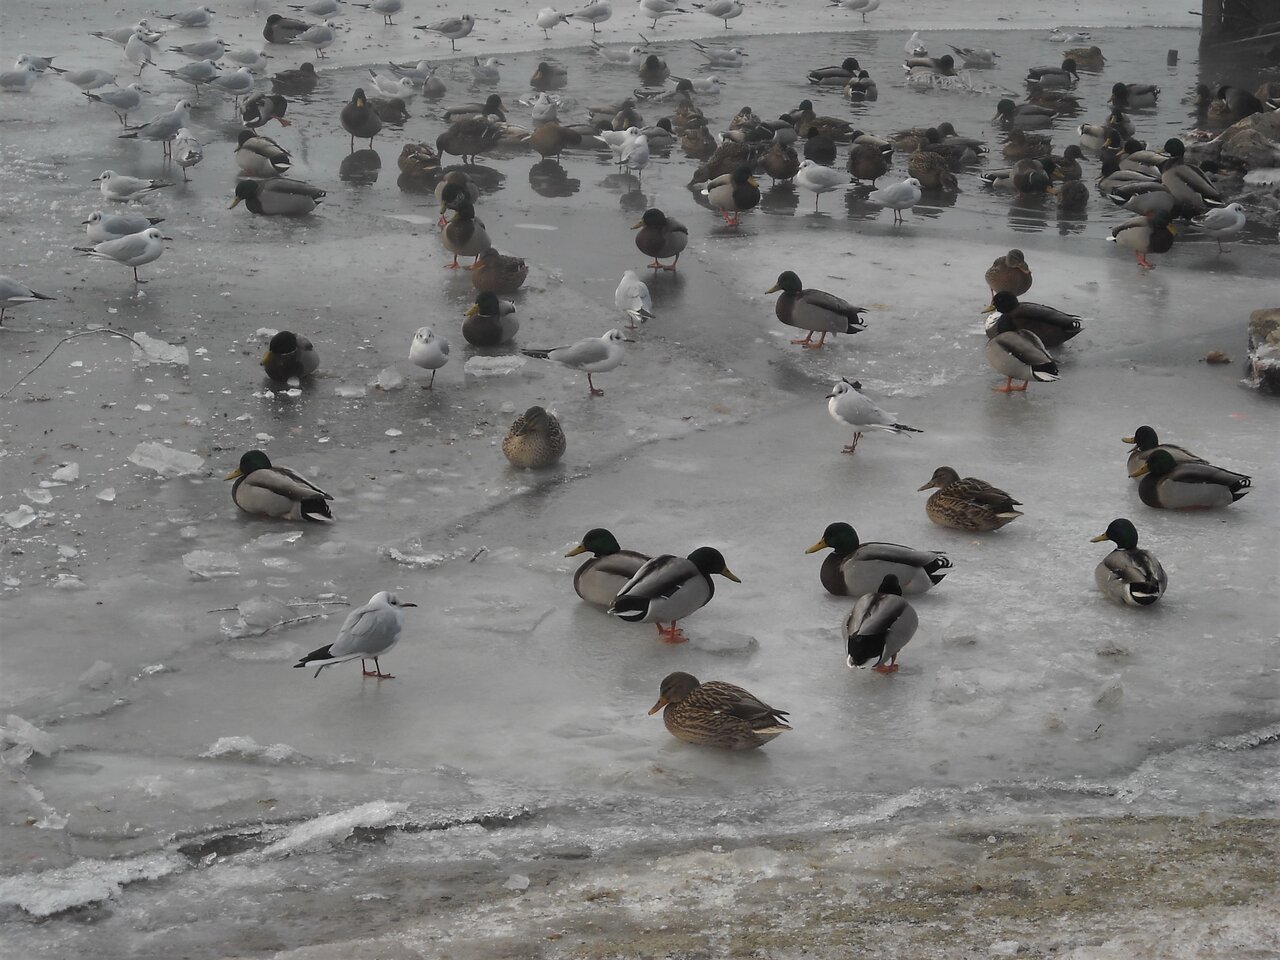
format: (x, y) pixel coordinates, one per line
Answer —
(362, 166)
(549, 179)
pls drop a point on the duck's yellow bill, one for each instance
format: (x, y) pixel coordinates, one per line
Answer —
(1141, 471)
(473, 310)
(728, 575)
(233, 474)
(662, 702)
(234, 203)
(576, 550)
(774, 289)
(637, 225)
(1098, 539)
(989, 308)
(820, 545)
(266, 358)
(1128, 439)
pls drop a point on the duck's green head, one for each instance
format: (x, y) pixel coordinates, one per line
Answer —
(598, 541)
(1175, 147)
(840, 537)
(1121, 532)
(653, 217)
(251, 461)
(743, 175)
(788, 282)
(282, 344)
(245, 190)
(1004, 302)
(675, 687)
(1005, 108)
(486, 305)
(709, 560)
(1159, 464)
(1145, 437)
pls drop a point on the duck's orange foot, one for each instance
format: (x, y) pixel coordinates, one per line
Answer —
(885, 668)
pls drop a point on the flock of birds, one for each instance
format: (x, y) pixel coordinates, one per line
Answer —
(1160, 187)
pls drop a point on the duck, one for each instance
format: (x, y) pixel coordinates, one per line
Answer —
(600, 578)
(780, 161)
(261, 108)
(1087, 58)
(549, 76)
(551, 139)
(1133, 96)
(280, 29)
(390, 110)
(660, 237)
(853, 568)
(660, 135)
(968, 504)
(1067, 166)
(820, 148)
(1152, 233)
(835, 76)
(1031, 179)
(669, 589)
(454, 188)
(491, 107)
(1062, 76)
(1146, 441)
(728, 156)
(847, 404)
(535, 440)
(943, 66)
(279, 196)
(1073, 197)
(1170, 485)
(1004, 178)
(490, 322)
(867, 162)
(1052, 327)
(289, 356)
(1023, 116)
(264, 490)
(716, 714)
(814, 311)
(1009, 274)
(1025, 146)
(698, 143)
(360, 119)
(469, 136)
(419, 161)
(1018, 354)
(1093, 135)
(498, 273)
(733, 194)
(878, 627)
(1128, 575)
(932, 171)
(260, 156)
(298, 83)
(861, 89)
(654, 70)
(465, 235)
(1060, 101)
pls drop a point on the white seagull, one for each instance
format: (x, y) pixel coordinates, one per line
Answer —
(594, 14)
(452, 29)
(319, 36)
(138, 51)
(1223, 223)
(88, 80)
(387, 8)
(163, 128)
(594, 355)
(366, 634)
(898, 196)
(115, 186)
(135, 250)
(14, 293)
(202, 49)
(111, 226)
(187, 151)
(725, 10)
(849, 405)
(719, 57)
(401, 87)
(121, 101)
(429, 351)
(655, 10)
(547, 18)
(199, 17)
(20, 80)
(630, 57)
(819, 180)
(633, 299)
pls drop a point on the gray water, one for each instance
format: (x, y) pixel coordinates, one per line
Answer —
(251, 795)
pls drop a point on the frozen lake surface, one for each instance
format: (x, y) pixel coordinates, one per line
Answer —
(199, 798)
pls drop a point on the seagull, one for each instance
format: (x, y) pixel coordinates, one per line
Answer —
(452, 29)
(543, 109)
(429, 352)
(40, 63)
(630, 57)
(619, 141)
(162, 128)
(707, 85)
(594, 355)
(197, 73)
(1223, 223)
(253, 59)
(235, 84)
(388, 9)
(199, 17)
(14, 293)
(120, 35)
(547, 18)
(635, 155)
(138, 51)
(401, 87)
(116, 186)
(898, 196)
(20, 80)
(319, 8)
(819, 179)
(367, 633)
(719, 57)
(419, 74)
(187, 151)
(319, 36)
(486, 72)
(121, 101)
(202, 49)
(848, 404)
(725, 10)
(655, 10)
(88, 80)
(632, 298)
(915, 47)
(594, 13)
(135, 250)
(111, 226)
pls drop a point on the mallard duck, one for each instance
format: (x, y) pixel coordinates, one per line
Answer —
(261, 108)
(835, 76)
(847, 404)
(1059, 101)
(1025, 146)
(1087, 58)
(534, 441)
(1023, 116)
(1018, 354)
(654, 71)
(1073, 196)
(549, 76)
(267, 491)
(260, 156)
(1067, 166)
(733, 193)
(279, 196)
(820, 148)
(490, 322)
(867, 162)
(932, 171)
(1147, 442)
(660, 237)
(1009, 274)
(454, 188)
(419, 161)
(861, 89)
(289, 356)
(968, 504)
(498, 273)
(551, 139)
(1152, 233)
(815, 311)
(669, 588)
(698, 143)
(716, 714)
(592, 354)
(853, 568)
(430, 351)
(1170, 485)
(1030, 178)
(469, 136)
(491, 107)
(780, 161)
(1128, 575)
(879, 626)
(1061, 76)
(298, 83)
(360, 119)
(1052, 327)
(390, 110)
(280, 29)
(1133, 96)
(465, 235)
(599, 579)
(943, 66)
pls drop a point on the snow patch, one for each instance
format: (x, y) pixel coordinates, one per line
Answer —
(89, 881)
(246, 748)
(334, 828)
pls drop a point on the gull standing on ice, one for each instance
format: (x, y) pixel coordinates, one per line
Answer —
(135, 250)
(197, 73)
(111, 226)
(594, 355)
(253, 59)
(199, 17)
(898, 196)
(1223, 223)
(138, 51)
(452, 29)
(202, 49)
(429, 351)
(725, 10)
(116, 186)
(20, 80)
(635, 155)
(655, 10)
(319, 37)
(236, 84)
(819, 179)
(848, 404)
(121, 101)
(547, 18)
(120, 35)
(387, 8)
(318, 8)
(162, 128)
(368, 633)
(594, 14)
(13, 293)
(187, 151)
(633, 299)
(88, 80)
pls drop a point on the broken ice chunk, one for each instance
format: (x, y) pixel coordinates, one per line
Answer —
(66, 473)
(20, 517)
(97, 676)
(349, 390)
(209, 564)
(157, 351)
(165, 460)
(493, 366)
(388, 379)
(107, 494)
(36, 495)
